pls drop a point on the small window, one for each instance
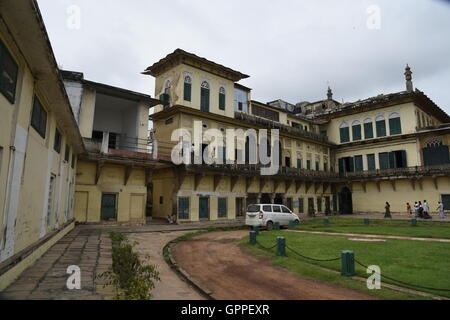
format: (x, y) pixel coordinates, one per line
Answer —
(344, 132)
(39, 117)
(240, 106)
(57, 143)
(67, 153)
(395, 126)
(276, 209)
(161, 200)
(187, 88)
(381, 126)
(8, 74)
(267, 208)
(368, 129)
(222, 98)
(253, 208)
(356, 131)
(301, 205)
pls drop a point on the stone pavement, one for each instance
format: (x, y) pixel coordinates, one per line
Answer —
(46, 279)
(89, 247)
(171, 287)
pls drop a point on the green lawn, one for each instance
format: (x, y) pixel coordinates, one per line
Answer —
(417, 262)
(426, 229)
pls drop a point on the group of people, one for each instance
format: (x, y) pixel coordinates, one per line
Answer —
(423, 210)
(420, 210)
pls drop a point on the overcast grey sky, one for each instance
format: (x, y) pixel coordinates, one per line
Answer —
(291, 49)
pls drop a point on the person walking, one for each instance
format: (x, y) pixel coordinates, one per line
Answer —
(426, 209)
(440, 208)
(420, 210)
(387, 207)
(416, 209)
(408, 209)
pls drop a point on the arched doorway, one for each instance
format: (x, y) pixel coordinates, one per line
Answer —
(345, 201)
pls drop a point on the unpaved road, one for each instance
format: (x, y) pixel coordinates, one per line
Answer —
(216, 262)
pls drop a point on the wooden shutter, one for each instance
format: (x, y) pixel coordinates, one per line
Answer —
(221, 101)
(301, 205)
(187, 91)
(356, 130)
(222, 206)
(183, 208)
(381, 128)
(345, 134)
(358, 163)
(384, 160)
(368, 130)
(204, 99)
(395, 126)
(370, 162)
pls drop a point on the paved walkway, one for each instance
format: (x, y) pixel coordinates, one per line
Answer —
(46, 279)
(89, 247)
(372, 236)
(171, 287)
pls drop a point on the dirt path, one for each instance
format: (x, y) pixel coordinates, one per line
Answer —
(216, 262)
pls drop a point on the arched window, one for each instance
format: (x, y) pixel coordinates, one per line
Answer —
(187, 87)
(368, 128)
(204, 96)
(395, 126)
(356, 130)
(344, 132)
(381, 126)
(222, 98)
(167, 86)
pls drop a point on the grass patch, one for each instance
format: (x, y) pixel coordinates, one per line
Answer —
(423, 229)
(416, 262)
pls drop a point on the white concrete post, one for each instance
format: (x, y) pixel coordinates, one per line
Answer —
(105, 142)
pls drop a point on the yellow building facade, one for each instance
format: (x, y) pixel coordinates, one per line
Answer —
(335, 158)
(39, 142)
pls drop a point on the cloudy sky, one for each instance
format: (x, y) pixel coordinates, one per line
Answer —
(291, 49)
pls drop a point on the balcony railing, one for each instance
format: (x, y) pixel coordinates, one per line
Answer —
(276, 125)
(255, 169)
(123, 146)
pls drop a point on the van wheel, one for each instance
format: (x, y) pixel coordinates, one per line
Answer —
(269, 226)
(296, 222)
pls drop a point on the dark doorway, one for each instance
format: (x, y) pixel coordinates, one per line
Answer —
(327, 205)
(289, 204)
(345, 201)
(239, 207)
(265, 198)
(109, 205)
(278, 200)
(311, 210)
(204, 208)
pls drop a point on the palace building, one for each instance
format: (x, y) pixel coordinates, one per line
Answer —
(336, 158)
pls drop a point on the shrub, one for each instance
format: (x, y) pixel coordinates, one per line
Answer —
(132, 278)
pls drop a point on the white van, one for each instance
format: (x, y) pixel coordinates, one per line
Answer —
(265, 215)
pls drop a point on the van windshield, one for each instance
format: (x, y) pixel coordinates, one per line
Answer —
(253, 208)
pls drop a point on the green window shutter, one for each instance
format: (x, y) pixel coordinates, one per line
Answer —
(301, 205)
(187, 91)
(8, 74)
(404, 160)
(221, 101)
(341, 165)
(384, 160)
(317, 166)
(352, 164)
(222, 207)
(319, 204)
(381, 128)
(183, 208)
(370, 162)
(358, 163)
(345, 134)
(299, 163)
(204, 100)
(368, 130)
(308, 164)
(395, 126)
(39, 118)
(356, 130)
